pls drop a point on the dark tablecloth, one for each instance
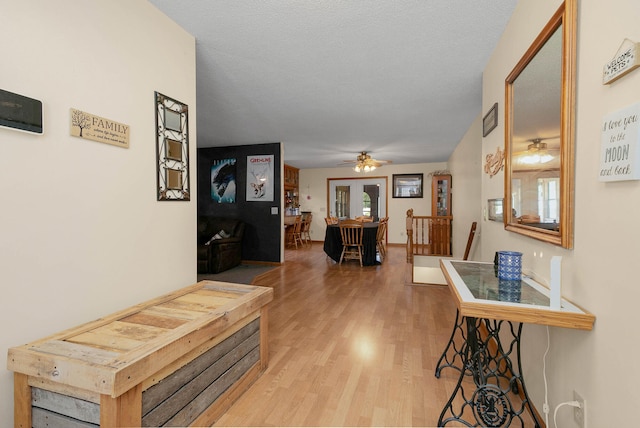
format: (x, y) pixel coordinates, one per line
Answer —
(333, 243)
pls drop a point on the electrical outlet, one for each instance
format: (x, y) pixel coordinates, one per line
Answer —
(580, 413)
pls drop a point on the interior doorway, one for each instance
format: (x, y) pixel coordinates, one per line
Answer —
(353, 197)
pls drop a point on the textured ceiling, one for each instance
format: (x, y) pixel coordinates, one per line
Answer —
(329, 79)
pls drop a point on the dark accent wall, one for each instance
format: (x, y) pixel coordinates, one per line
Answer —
(263, 230)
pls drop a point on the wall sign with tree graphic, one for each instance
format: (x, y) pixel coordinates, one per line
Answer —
(172, 149)
(90, 127)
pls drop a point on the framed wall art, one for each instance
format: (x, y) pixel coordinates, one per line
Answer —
(407, 185)
(260, 178)
(223, 181)
(490, 120)
(172, 149)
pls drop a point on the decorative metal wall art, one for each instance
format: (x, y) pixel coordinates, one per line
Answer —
(494, 162)
(172, 149)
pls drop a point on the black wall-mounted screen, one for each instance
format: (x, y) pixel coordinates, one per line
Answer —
(20, 112)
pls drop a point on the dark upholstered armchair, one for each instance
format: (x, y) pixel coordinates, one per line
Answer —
(219, 243)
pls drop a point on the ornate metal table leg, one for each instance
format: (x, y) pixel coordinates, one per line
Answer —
(495, 379)
(470, 362)
(447, 359)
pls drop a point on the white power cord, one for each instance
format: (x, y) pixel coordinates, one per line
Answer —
(566, 403)
(545, 405)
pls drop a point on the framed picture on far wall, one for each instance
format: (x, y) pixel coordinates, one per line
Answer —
(407, 185)
(260, 178)
(490, 120)
(223, 181)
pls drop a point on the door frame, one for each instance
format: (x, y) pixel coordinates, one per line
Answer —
(381, 177)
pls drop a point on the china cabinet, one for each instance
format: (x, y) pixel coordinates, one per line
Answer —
(441, 195)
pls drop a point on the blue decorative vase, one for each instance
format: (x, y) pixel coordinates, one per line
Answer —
(509, 265)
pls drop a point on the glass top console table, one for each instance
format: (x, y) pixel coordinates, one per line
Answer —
(485, 342)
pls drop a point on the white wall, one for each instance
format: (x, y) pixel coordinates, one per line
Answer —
(466, 166)
(599, 274)
(82, 232)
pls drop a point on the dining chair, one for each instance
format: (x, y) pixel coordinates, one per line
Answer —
(381, 235)
(351, 234)
(331, 220)
(364, 218)
(294, 232)
(306, 229)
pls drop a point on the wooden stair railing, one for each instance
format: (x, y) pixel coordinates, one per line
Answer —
(428, 235)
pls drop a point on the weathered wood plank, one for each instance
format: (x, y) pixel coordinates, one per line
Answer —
(227, 398)
(167, 310)
(143, 362)
(190, 389)
(186, 306)
(218, 293)
(203, 300)
(60, 388)
(65, 405)
(21, 401)
(143, 333)
(264, 338)
(168, 386)
(118, 335)
(231, 287)
(191, 412)
(122, 411)
(46, 419)
(147, 318)
(61, 369)
(107, 342)
(138, 359)
(186, 358)
(90, 354)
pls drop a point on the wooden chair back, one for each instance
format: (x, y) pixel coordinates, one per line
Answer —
(294, 232)
(382, 229)
(306, 228)
(331, 220)
(351, 232)
(381, 237)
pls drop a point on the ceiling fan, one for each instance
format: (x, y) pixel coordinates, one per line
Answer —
(365, 163)
(537, 152)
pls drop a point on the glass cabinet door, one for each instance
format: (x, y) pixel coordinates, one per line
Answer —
(441, 195)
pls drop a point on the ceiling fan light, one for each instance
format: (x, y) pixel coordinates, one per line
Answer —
(357, 168)
(535, 159)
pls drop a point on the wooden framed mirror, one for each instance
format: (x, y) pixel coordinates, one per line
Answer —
(539, 134)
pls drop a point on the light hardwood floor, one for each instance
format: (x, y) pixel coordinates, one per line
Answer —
(349, 346)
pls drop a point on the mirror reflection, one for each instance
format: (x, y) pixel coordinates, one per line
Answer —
(535, 138)
(539, 171)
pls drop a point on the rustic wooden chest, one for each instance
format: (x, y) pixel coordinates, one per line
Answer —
(178, 360)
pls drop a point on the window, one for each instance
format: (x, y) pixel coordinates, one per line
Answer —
(548, 199)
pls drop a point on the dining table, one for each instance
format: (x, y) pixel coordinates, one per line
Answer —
(333, 243)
